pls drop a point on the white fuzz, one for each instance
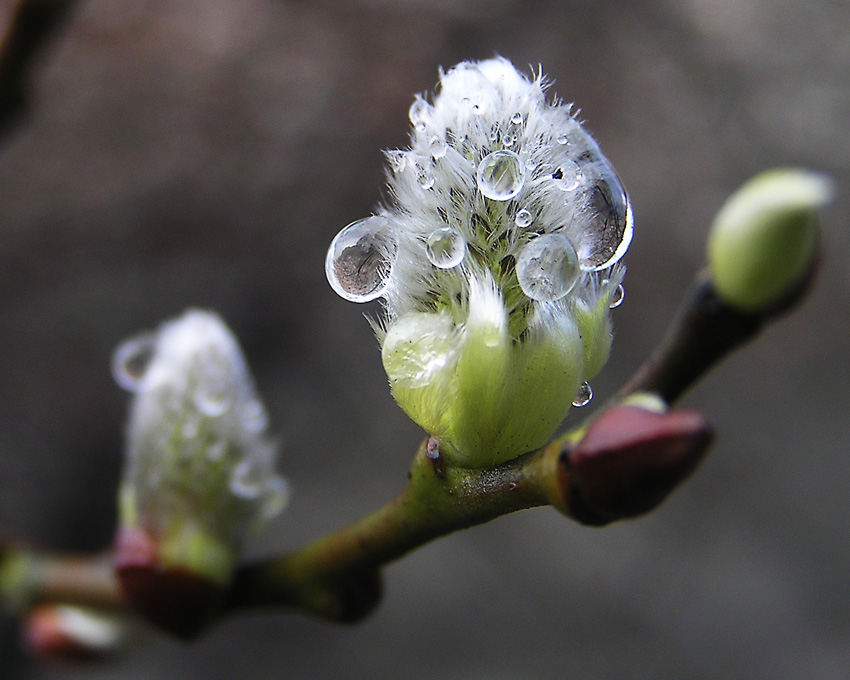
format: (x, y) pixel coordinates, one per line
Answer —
(197, 443)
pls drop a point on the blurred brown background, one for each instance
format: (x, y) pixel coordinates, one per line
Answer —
(204, 152)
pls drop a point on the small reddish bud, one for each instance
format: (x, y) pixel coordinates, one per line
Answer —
(74, 634)
(174, 598)
(629, 460)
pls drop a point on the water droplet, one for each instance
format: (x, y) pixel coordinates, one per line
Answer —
(217, 450)
(501, 175)
(427, 181)
(445, 248)
(610, 224)
(562, 140)
(417, 112)
(568, 176)
(131, 359)
(246, 480)
(213, 394)
(275, 498)
(547, 267)
(517, 119)
(583, 396)
(437, 147)
(494, 133)
(476, 109)
(523, 218)
(360, 259)
(420, 126)
(617, 297)
(508, 140)
(254, 416)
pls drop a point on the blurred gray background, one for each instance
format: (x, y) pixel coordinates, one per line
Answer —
(205, 152)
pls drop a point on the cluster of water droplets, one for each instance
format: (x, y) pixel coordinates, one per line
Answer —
(197, 426)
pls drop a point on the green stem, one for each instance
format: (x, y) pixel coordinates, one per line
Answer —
(336, 576)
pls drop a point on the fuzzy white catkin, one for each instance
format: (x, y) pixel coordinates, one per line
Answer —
(197, 442)
(502, 209)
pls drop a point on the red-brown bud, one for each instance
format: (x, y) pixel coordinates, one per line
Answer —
(629, 460)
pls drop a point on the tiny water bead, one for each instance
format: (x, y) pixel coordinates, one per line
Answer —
(427, 181)
(562, 140)
(213, 396)
(501, 175)
(610, 222)
(360, 259)
(517, 118)
(523, 218)
(445, 248)
(275, 498)
(583, 396)
(437, 147)
(617, 297)
(131, 359)
(547, 267)
(246, 480)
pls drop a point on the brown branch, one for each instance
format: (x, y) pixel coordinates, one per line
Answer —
(28, 26)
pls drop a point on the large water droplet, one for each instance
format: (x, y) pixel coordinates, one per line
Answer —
(609, 226)
(501, 175)
(523, 218)
(547, 267)
(445, 248)
(360, 259)
(583, 396)
(617, 297)
(131, 359)
(246, 480)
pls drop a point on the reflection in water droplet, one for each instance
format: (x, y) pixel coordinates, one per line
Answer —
(523, 218)
(437, 147)
(427, 181)
(584, 395)
(547, 267)
(568, 176)
(609, 224)
(617, 297)
(445, 248)
(501, 175)
(360, 259)
(246, 481)
(517, 119)
(131, 359)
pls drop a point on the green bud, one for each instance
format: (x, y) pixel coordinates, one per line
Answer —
(484, 396)
(763, 240)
